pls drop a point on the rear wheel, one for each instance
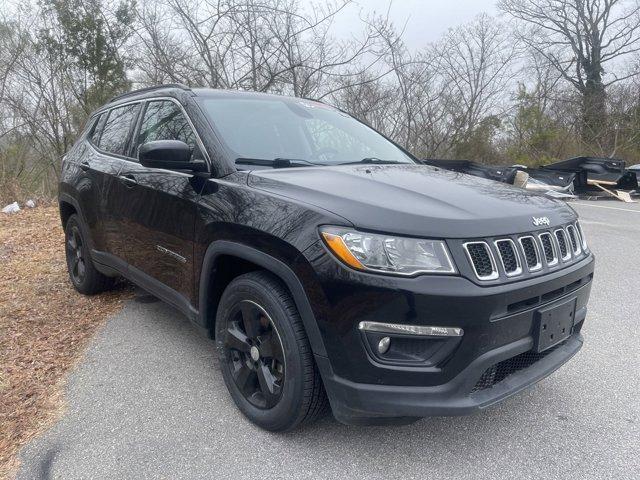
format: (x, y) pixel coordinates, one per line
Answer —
(84, 276)
(265, 355)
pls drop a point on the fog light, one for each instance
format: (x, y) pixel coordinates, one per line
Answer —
(383, 345)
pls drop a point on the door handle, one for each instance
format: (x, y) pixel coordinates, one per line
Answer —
(128, 179)
(84, 166)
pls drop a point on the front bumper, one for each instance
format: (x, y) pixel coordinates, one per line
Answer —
(498, 323)
(355, 403)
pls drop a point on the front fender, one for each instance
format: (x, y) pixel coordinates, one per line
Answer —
(270, 263)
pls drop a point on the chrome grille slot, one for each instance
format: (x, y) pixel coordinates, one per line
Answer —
(531, 253)
(583, 240)
(549, 249)
(482, 260)
(509, 257)
(562, 243)
(573, 238)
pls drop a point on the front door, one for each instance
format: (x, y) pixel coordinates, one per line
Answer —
(161, 209)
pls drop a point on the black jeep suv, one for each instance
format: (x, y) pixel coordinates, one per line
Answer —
(328, 264)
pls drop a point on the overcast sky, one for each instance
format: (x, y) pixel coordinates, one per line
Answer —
(426, 20)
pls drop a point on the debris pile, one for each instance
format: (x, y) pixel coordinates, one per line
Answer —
(595, 177)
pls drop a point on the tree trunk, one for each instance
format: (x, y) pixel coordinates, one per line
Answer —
(594, 108)
(594, 115)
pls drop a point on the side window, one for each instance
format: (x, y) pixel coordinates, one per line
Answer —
(164, 120)
(94, 133)
(115, 133)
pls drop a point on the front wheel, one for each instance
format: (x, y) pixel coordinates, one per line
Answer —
(265, 356)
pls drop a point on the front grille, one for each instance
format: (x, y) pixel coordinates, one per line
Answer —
(481, 260)
(498, 372)
(508, 256)
(526, 254)
(562, 243)
(548, 249)
(530, 253)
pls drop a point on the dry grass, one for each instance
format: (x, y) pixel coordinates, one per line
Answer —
(44, 326)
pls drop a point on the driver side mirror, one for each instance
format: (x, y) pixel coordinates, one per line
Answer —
(170, 155)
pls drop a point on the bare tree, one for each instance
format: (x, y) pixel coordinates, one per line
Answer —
(65, 63)
(260, 45)
(438, 102)
(12, 46)
(581, 38)
(476, 63)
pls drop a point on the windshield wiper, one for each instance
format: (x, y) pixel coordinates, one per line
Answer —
(276, 162)
(371, 161)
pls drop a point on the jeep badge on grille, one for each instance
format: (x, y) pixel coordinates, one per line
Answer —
(538, 221)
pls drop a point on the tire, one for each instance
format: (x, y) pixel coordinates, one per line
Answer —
(83, 274)
(256, 312)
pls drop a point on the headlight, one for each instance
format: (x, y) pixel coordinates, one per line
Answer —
(387, 254)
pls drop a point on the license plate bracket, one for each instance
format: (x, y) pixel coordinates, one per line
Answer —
(554, 324)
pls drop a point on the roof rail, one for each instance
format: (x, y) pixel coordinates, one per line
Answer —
(314, 100)
(149, 89)
(324, 103)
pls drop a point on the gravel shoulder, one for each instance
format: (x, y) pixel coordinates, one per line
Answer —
(44, 326)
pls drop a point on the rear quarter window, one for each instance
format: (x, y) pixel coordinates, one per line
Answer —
(117, 129)
(96, 128)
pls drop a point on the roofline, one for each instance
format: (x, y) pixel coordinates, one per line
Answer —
(149, 89)
(222, 91)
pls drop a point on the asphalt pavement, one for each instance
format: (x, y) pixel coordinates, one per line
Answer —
(148, 401)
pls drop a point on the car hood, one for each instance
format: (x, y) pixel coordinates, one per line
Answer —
(414, 199)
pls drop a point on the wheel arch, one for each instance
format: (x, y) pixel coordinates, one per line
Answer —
(68, 206)
(253, 258)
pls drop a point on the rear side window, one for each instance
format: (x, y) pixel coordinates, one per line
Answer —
(94, 133)
(115, 133)
(164, 120)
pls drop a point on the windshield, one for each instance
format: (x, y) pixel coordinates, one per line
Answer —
(302, 130)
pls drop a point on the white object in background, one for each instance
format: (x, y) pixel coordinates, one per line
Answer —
(11, 208)
(521, 179)
(30, 204)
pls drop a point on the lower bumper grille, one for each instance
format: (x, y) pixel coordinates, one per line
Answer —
(498, 372)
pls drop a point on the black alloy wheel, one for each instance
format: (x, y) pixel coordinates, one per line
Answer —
(76, 262)
(253, 346)
(265, 356)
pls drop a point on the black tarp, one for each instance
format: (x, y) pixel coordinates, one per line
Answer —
(492, 172)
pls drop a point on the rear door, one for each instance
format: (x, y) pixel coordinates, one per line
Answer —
(161, 207)
(110, 155)
(91, 177)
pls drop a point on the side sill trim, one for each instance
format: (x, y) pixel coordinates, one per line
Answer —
(150, 284)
